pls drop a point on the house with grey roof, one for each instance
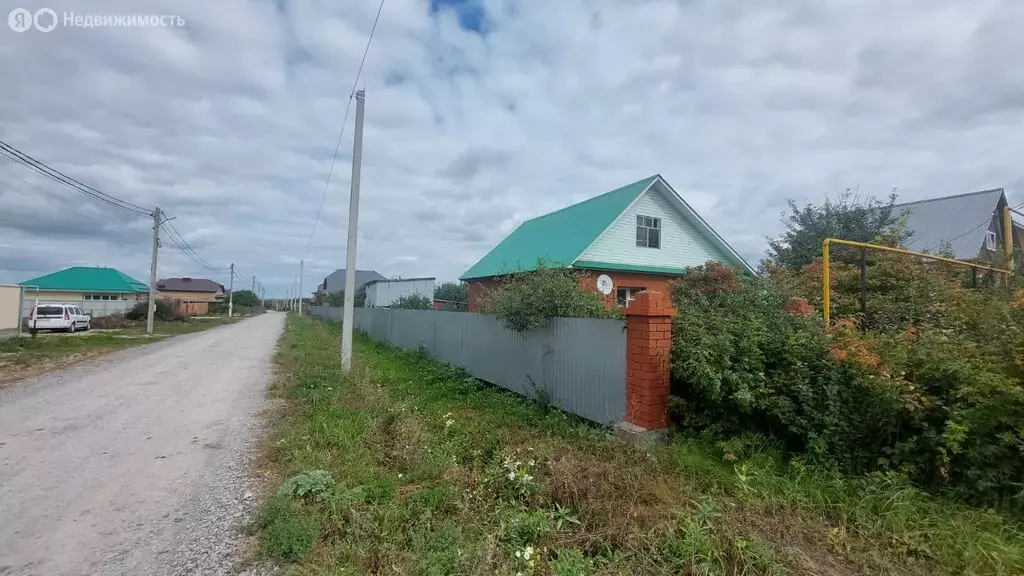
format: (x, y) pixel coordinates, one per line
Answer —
(335, 281)
(190, 289)
(969, 226)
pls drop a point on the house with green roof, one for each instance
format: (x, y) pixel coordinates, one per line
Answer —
(637, 237)
(86, 283)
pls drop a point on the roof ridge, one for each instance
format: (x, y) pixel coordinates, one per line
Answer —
(926, 200)
(591, 199)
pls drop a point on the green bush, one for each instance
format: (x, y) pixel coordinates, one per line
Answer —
(454, 294)
(413, 302)
(928, 402)
(530, 299)
(140, 311)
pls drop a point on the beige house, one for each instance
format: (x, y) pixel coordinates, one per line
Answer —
(84, 284)
(190, 290)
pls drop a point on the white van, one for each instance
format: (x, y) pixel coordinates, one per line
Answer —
(65, 317)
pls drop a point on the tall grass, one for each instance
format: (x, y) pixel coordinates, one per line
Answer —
(433, 473)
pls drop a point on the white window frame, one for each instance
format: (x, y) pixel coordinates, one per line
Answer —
(990, 240)
(644, 226)
(631, 292)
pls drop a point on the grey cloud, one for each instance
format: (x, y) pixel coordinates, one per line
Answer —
(471, 162)
(230, 123)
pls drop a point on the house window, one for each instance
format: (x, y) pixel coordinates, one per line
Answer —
(990, 240)
(648, 232)
(623, 296)
(100, 297)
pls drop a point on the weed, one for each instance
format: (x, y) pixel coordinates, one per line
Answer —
(317, 485)
(438, 474)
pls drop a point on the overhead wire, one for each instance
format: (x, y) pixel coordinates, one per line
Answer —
(173, 234)
(57, 176)
(341, 132)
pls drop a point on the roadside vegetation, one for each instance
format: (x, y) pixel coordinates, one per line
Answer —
(27, 356)
(407, 466)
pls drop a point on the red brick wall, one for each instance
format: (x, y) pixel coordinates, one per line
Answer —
(477, 288)
(654, 282)
(648, 352)
(588, 282)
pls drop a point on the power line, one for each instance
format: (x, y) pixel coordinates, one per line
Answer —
(25, 160)
(181, 237)
(179, 241)
(341, 133)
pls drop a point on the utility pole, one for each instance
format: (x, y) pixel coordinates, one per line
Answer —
(350, 247)
(254, 284)
(231, 293)
(302, 263)
(152, 271)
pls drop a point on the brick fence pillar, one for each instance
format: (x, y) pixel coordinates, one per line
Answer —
(648, 348)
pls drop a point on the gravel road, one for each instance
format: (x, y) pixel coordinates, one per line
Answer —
(136, 463)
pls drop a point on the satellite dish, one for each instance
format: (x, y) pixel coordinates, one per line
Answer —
(604, 284)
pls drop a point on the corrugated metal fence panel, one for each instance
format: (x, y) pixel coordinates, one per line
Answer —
(582, 366)
(578, 363)
(413, 329)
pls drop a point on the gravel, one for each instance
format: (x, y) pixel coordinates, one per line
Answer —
(137, 463)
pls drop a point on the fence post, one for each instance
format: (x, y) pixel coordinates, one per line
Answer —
(648, 349)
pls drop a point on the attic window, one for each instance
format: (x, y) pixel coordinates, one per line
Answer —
(648, 232)
(990, 240)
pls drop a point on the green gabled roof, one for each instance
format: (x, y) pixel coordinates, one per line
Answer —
(88, 279)
(557, 238)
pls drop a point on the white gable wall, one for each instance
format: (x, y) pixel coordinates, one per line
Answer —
(681, 244)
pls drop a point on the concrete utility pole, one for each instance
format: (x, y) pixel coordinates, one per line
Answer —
(253, 283)
(353, 221)
(231, 292)
(152, 271)
(302, 263)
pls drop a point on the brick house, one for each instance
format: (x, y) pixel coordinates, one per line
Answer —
(637, 237)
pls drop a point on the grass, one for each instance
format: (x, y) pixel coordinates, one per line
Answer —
(27, 356)
(407, 466)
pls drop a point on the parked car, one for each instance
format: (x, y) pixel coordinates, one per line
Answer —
(65, 317)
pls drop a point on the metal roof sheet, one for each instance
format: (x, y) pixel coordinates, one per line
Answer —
(959, 221)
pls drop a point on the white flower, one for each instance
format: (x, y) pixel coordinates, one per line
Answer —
(448, 422)
(528, 552)
(399, 475)
(512, 475)
(519, 554)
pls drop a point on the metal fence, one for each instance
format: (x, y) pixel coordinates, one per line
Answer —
(98, 308)
(579, 363)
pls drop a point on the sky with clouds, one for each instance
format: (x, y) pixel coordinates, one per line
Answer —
(482, 113)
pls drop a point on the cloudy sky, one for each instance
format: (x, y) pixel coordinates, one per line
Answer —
(482, 113)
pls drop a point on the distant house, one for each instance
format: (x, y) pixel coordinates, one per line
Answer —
(335, 281)
(970, 226)
(384, 293)
(83, 284)
(633, 238)
(190, 289)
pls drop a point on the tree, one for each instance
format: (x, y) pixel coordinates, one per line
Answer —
(455, 295)
(245, 299)
(528, 300)
(849, 217)
(337, 299)
(413, 302)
